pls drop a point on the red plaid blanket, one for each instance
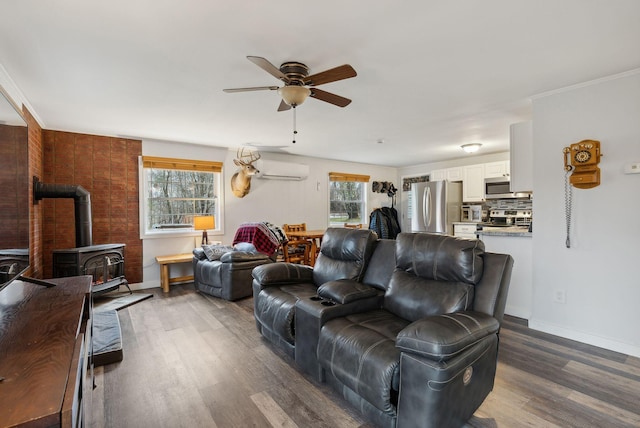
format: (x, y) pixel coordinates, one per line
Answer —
(259, 235)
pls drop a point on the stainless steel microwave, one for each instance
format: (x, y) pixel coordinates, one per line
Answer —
(500, 188)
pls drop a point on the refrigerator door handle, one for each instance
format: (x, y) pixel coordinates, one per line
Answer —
(426, 207)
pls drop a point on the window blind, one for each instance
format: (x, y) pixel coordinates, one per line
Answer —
(343, 176)
(181, 164)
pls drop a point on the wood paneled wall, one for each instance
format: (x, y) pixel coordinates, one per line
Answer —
(14, 217)
(35, 169)
(108, 168)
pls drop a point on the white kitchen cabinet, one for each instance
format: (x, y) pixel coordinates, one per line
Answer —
(454, 174)
(473, 183)
(520, 297)
(521, 154)
(496, 169)
(438, 175)
(450, 174)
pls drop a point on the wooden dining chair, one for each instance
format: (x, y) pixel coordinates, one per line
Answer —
(296, 250)
(353, 226)
(301, 227)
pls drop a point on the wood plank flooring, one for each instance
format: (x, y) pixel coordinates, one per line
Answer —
(191, 360)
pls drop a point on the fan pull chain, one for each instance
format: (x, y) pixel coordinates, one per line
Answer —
(295, 131)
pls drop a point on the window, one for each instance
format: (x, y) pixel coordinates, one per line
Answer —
(347, 198)
(176, 190)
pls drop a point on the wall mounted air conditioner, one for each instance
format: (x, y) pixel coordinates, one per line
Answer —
(276, 170)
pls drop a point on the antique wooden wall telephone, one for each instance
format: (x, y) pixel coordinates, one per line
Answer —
(581, 166)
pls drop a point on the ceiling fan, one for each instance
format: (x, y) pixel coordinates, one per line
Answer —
(298, 84)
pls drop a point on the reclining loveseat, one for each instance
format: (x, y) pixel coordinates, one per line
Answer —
(413, 341)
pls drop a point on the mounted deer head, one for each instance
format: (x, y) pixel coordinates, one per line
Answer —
(241, 180)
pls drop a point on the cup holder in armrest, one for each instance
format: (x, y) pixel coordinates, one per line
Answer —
(322, 300)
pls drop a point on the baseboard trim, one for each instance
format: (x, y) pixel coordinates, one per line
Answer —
(519, 312)
(589, 339)
(152, 284)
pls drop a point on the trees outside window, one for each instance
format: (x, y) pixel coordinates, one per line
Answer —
(174, 196)
(347, 198)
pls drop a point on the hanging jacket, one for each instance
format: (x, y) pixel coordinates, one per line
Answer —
(378, 224)
(384, 221)
(391, 215)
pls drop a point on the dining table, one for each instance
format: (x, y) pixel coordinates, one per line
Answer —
(313, 236)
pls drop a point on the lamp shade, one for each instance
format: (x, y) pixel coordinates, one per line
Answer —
(294, 95)
(204, 222)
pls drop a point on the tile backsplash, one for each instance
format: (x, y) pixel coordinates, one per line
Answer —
(510, 204)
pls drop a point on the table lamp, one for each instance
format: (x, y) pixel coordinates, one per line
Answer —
(204, 223)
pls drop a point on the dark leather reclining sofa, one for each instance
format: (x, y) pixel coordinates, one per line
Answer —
(406, 330)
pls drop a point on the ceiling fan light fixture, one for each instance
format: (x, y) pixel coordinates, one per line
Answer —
(471, 148)
(294, 95)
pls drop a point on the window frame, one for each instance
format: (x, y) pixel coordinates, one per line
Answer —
(147, 162)
(348, 177)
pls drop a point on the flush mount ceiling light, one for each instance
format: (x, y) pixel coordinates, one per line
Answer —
(471, 148)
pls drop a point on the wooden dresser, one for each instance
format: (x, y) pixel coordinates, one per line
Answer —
(45, 343)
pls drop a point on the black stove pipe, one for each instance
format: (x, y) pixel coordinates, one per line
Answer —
(81, 202)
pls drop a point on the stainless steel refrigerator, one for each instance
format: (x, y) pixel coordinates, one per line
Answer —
(434, 206)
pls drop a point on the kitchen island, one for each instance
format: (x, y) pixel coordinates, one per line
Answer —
(516, 241)
(522, 231)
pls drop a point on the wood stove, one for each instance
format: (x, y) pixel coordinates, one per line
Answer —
(105, 264)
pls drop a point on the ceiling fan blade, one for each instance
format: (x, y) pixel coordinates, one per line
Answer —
(332, 75)
(255, 88)
(268, 67)
(329, 97)
(283, 106)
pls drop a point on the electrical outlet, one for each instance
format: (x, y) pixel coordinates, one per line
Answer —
(560, 296)
(632, 168)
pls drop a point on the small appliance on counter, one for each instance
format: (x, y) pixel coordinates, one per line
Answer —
(473, 213)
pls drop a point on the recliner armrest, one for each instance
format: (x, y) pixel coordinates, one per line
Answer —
(199, 254)
(443, 336)
(282, 273)
(242, 256)
(345, 291)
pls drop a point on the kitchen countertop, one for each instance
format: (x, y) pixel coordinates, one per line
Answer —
(505, 231)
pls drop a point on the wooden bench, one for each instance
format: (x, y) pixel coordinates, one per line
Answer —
(165, 262)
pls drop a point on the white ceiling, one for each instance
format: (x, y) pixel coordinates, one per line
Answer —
(432, 75)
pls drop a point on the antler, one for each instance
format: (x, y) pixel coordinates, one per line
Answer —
(254, 156)
(251, 157)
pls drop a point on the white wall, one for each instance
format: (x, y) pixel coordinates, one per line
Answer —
(600, 271)
(275, 201)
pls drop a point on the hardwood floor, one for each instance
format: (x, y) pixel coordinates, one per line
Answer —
(192, 360)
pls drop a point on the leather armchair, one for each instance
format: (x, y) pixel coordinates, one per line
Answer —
(230, 276)
(344, 255)
(427, 356)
